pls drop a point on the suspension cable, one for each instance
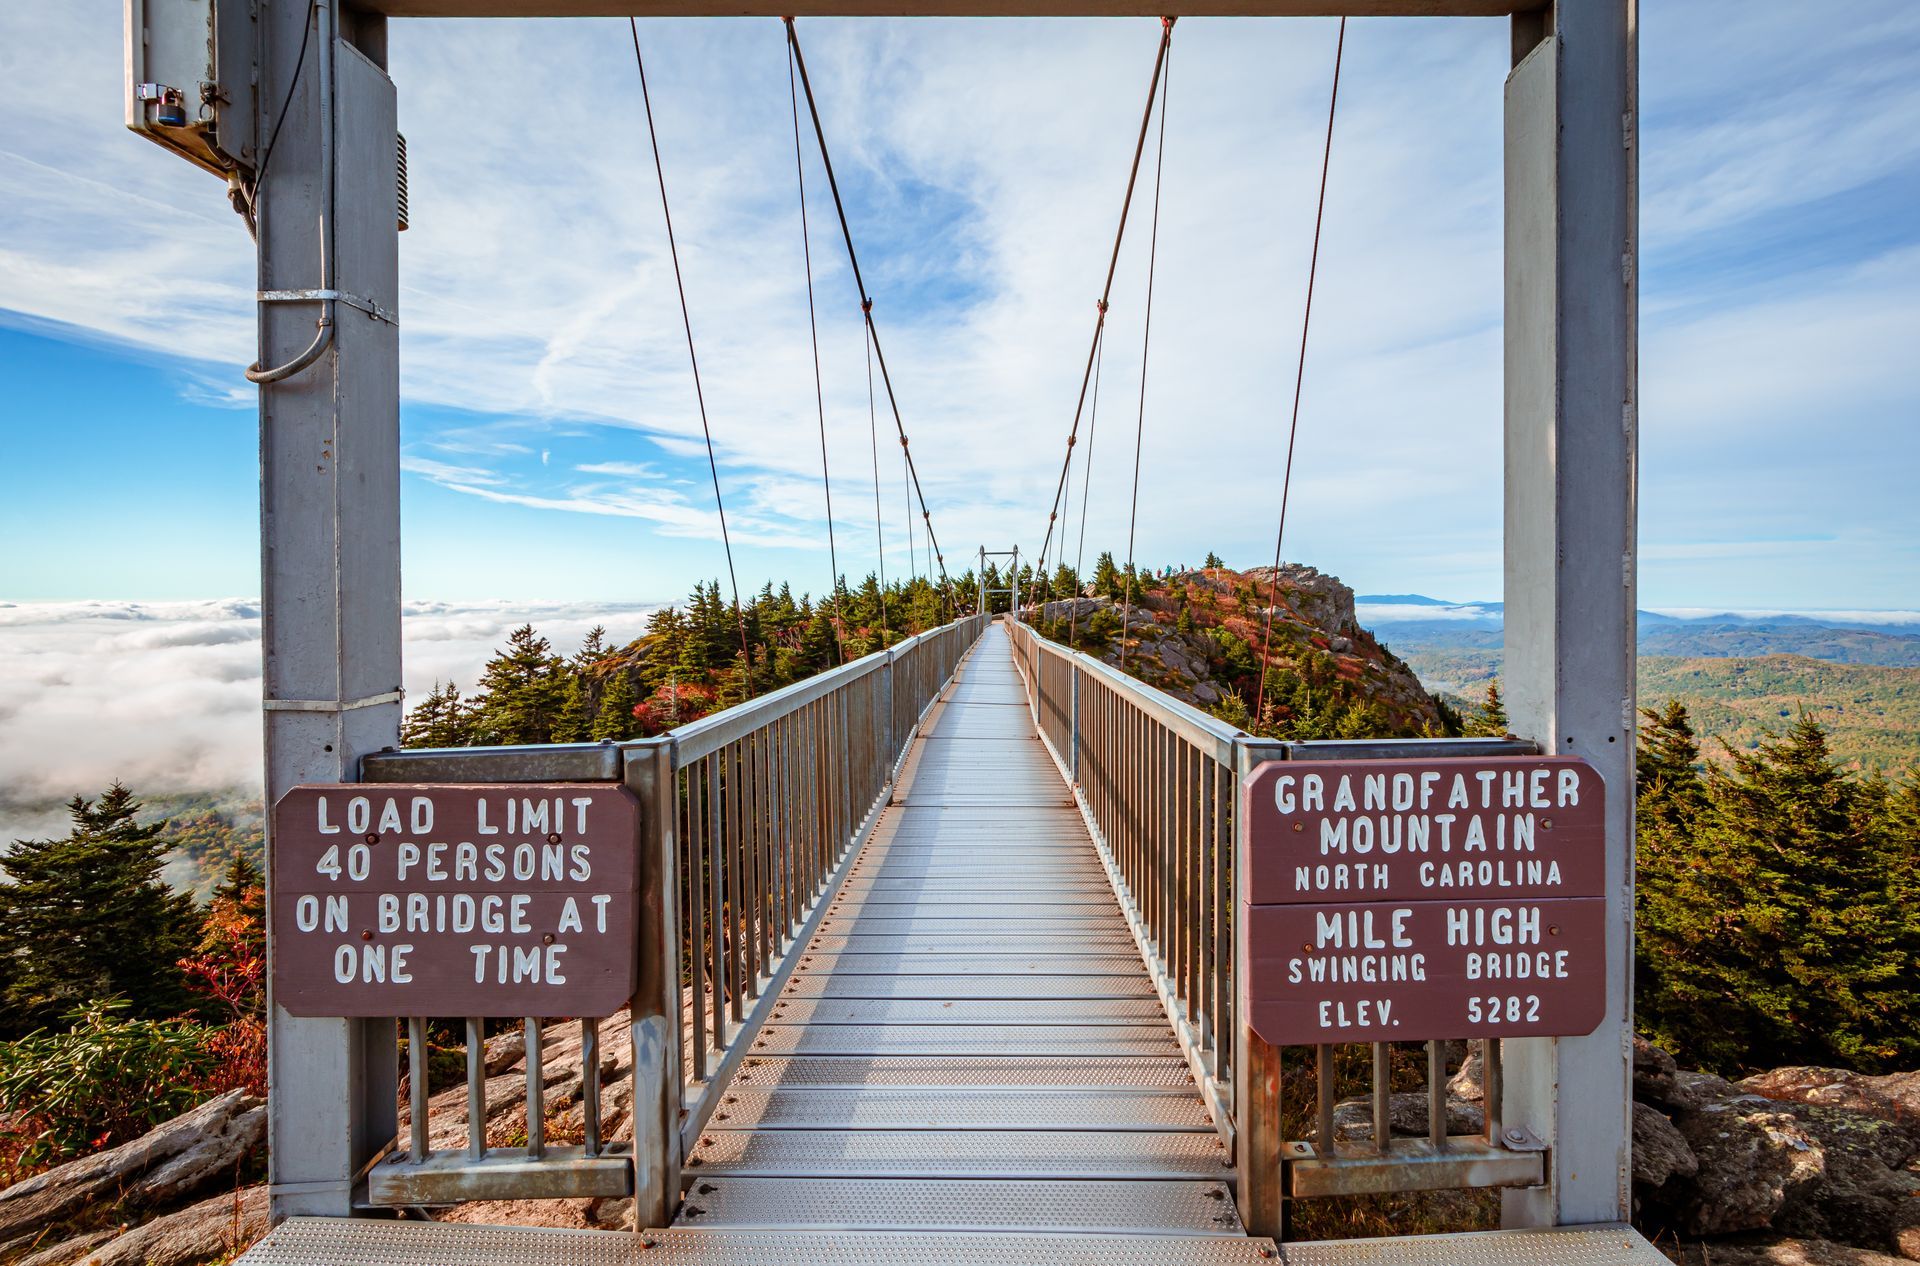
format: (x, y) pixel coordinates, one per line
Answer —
(873, 439)
(906, 495)
(1300, 373)
(1146, 338)
(686, 321)
(1106, 292)
(866, 308)
(1086, 487)
(819, 392)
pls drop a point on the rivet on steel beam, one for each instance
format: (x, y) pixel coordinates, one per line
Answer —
(373, 837)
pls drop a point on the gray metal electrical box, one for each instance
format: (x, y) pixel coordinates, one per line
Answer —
(191, 79)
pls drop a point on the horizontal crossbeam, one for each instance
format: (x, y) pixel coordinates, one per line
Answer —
(946, 8)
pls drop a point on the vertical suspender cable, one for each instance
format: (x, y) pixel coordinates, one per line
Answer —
(873, 439)
(1146, 337)
(1300, 373)
(1106, 292)
(1086, 486)
(686, 320)
(819, 392)
(866, 306)
(906, 493)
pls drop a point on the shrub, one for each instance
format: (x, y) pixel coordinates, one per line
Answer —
(108, 1078)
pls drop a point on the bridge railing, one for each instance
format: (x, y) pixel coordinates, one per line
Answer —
(748, 817)
(1159, 784)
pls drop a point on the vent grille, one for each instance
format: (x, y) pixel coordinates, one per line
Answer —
(400, 151)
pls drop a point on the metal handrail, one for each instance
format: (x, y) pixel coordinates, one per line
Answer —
(1159, 785)
(749, 819)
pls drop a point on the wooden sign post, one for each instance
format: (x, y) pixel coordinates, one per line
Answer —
(453, 900)
(1392, 901)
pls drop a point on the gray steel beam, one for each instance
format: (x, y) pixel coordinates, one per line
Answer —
(330, 539)
(1570, 534)
(944, 8)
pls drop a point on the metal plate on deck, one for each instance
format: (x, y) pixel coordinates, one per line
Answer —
(1608, 1245)
(968, 1011)
(974, 1039)
(959, 1154)
(358, 1242)
(945, 1108)
(1149, 1207)
(1163, 1072)
(1120, 985)
(963, 965)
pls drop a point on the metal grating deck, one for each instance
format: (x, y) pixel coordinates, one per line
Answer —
(357, 1242)
(970, 1040)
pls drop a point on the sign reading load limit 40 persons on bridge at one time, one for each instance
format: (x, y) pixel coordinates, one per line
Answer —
(1441, 898)
(449, 900)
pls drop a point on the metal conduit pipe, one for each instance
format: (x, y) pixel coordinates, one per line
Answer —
(323, 334)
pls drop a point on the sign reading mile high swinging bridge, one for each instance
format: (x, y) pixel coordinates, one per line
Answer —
(454, 900)
(1406, 900)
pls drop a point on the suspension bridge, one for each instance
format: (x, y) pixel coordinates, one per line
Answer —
(972, 948)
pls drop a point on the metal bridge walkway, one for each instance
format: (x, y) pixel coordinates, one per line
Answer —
(970, 1042)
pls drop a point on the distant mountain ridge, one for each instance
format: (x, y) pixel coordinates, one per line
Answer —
(1416, 623)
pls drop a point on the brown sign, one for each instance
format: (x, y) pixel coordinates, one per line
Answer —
(1427, 969)
(445, 900)
(1434, 830)
(1406, 900)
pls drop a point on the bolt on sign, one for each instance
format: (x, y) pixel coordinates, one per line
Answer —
(1407, 900)
(455, 900)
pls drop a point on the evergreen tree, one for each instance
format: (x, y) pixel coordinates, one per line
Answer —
(574, 723)
(521, 691)
(617, 702)
(1489, 720)
(1106, 578)
(88, 917)
(1213, 561)
(442, 719)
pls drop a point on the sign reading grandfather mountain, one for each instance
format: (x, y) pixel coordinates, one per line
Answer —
(454, 900)
(1443, 898)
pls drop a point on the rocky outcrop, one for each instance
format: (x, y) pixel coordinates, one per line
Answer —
(1226, 617)
(178, 1159)
(1827, 1158)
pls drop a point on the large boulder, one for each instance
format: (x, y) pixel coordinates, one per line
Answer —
(1804, 1170)
(1406, 1116)
(1895, 1097)
(1783, 1253)
(174, 1160)
(1660, 1152)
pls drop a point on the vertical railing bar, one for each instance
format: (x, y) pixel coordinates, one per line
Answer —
(476, 1089)
(1382, 1105)
(590, 1077)
(1436, 1095)
(741, 949)
(417, 1088)
(536, 1090)
(1324, 1092)
(691, 876)
(716, 901)
(1491, 1087)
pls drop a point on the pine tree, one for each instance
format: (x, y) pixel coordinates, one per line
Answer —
(88, 917)
(442, 719)
(617, 702)
(1106, 578)
(574, 723)
(521, 690)
(1489, 720)
(1213, 561)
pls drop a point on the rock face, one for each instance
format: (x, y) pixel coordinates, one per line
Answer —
(1225, 610)
(1829, 1158)
(175, 1160)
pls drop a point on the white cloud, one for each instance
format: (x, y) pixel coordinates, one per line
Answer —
(166, 696)
(983, 163)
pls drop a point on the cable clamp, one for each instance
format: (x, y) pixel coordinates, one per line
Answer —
(332, 705)
(367, 306)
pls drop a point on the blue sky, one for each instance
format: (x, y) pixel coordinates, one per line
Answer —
(550, 438)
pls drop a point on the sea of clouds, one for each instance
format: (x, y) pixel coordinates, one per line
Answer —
(165, 696)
